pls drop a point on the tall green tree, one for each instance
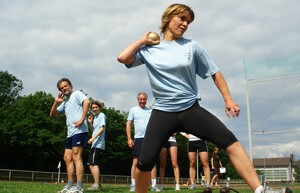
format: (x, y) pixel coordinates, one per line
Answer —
(297, 173)
(30, 138)
(117, 158)
(10, 88)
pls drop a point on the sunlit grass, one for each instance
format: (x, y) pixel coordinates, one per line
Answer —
(39, 187)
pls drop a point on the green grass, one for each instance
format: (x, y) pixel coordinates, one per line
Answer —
(39, 187)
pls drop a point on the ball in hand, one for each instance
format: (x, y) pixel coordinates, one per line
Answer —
(153, 36)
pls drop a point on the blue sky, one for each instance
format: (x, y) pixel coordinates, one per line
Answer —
(42, 41)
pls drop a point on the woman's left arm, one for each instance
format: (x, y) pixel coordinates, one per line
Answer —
(231, 107)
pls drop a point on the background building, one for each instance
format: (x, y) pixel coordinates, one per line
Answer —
(276, 169)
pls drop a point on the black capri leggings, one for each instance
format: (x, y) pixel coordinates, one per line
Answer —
(194, 120)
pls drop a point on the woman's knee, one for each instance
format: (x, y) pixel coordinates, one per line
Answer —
(145, 166)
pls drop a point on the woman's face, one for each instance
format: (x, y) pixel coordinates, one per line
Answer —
(95, 109)
(179, 24)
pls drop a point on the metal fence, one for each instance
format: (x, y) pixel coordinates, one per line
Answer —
(56, 177)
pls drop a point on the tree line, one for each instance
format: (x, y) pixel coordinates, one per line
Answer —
(32, 140)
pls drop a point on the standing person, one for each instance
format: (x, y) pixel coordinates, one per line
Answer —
(216, 164)
(139, 115)
(193, 145)
(97, 124)
(75, 106)
(170, 145)
(172, 66)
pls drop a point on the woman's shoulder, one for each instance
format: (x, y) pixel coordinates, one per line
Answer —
(102, 114)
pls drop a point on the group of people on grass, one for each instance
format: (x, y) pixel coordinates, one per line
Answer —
(172, 66)
(76, 106)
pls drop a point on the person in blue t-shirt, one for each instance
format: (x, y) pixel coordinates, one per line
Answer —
(172, 66)
(138, 118)
(97, 123)
(75, 106)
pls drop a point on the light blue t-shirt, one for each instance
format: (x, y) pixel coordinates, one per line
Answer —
(72, 108)
(140, 117)
(99, 121)
(172, 67)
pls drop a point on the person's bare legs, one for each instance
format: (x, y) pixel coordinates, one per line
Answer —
(153, 177)
(133, 167)
(204, 161)
(192, 169)
(142, 180)
(242, 164)
(173, 154)
(162, 165)
(213, 179)
(216, 180)
(69, 166)
(96, 173)
(77, 158)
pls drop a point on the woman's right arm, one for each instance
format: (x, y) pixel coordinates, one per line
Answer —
(127, 55)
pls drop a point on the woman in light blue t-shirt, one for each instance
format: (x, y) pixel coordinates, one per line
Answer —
(172, 66)
(97, 123)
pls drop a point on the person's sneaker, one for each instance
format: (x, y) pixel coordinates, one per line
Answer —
(132, 188)
(161, 187)
(64, 190)
(155, 189)
(95, 187)
(76, 189)
(192, 187)
(177, 187)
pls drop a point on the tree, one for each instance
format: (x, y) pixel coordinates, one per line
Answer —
(10, 88)
(117, 157)
(30, 138)
(297, 173)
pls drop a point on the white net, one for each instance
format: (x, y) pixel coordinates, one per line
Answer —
(279, 67)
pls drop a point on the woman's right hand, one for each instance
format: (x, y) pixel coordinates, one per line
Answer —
(151, 39)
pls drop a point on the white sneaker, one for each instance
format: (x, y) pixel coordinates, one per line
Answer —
(75, 189)
(95, 187)
(155, 189)
(132, 188)
(177, 187)
(192, 187)
(161, 187)
(64, 190)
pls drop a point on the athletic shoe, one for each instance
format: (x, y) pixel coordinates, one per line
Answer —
(132, 188)
(95, 187)
(177, 187)
(155, 189)
(64, 190)
(76, 189)
(161, 187)
(192, 187)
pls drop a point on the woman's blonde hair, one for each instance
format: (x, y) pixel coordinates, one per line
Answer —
(173, 10)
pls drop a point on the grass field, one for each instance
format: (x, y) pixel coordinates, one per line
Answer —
(38, 187)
